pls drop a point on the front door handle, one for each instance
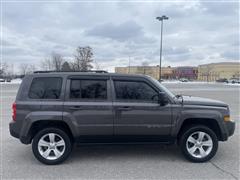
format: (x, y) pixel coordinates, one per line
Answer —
(75, 107)
(124, 108)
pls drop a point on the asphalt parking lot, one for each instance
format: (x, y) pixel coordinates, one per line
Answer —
(124, 161)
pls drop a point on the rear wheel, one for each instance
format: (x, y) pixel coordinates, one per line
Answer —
(199, 143)
(51, 146)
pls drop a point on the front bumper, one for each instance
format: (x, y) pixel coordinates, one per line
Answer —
(230, 127)
(229, 130)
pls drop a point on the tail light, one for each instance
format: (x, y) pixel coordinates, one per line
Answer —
(14, 111)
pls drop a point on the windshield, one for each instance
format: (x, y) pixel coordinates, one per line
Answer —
(163, 88)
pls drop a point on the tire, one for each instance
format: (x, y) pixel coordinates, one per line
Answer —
(51, 146)
(195, 149)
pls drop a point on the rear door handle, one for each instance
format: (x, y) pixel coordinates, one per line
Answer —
(124, 108)
(75, 107)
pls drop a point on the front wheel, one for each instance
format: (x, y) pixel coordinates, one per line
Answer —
(51, 146)
(199, 143)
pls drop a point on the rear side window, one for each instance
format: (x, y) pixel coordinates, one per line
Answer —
(88, 89)
(45, 88)
(135, 91)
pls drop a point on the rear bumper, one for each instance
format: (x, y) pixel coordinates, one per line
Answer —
(15, 132)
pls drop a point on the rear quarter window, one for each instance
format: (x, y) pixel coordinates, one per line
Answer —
(45, 88)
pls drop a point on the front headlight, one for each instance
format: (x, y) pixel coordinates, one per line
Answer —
(227, 118)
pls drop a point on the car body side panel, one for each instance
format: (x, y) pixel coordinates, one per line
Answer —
(94, 118)
(142, 119)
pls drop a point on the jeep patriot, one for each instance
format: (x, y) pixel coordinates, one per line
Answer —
(54, 110)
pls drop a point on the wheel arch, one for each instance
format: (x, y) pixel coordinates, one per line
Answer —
(208, 122)
(39, 125)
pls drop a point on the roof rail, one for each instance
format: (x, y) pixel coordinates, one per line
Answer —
(93, 71)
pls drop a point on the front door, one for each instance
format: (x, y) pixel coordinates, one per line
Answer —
(88, 103)
(137, 110)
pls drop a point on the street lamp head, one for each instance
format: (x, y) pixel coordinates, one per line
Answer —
(159, 18)
(162, 18)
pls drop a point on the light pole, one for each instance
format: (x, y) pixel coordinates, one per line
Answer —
(128, 64)
(161, 28)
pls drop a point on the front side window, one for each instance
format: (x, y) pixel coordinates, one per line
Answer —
(135, 91)
(88, 89)
(45, 88)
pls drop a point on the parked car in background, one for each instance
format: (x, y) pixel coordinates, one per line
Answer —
(223, 80)
(2, 80)
(234, 81)
(8, 80)
(183, 80)
(52, 111)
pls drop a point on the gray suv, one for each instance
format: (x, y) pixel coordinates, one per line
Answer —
(55, 110)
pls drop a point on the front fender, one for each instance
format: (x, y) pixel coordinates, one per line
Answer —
(197, 113)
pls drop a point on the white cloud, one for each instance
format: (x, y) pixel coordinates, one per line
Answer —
(196, 32)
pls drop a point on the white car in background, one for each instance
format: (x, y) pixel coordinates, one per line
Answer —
(183, 80)
(2, 80)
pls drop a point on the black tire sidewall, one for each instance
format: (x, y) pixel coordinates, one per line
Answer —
(191, 130)
(63, 134)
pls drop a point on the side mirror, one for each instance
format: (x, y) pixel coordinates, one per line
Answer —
(162, 98)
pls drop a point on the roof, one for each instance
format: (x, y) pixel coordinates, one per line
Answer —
(86, 73)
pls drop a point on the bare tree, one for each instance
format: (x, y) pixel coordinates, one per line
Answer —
(57, 61)
(32, 68)
(66, 66)
(97, 65)
(24, 68)
(54, 63)
(83, 59)
(46, 64)
(3, 68)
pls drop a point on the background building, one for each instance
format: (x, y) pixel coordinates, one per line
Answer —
(215, 71)
(187, 72)
(206, 72)
(153, 71)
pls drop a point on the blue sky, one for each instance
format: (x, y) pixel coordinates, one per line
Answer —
(197, 32)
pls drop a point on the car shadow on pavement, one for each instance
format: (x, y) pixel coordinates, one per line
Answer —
(127, 152)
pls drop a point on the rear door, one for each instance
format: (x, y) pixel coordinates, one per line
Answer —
(89, 105)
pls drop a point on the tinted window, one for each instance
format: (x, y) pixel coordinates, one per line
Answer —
(45, 88)
(137, 91)
(88, 89)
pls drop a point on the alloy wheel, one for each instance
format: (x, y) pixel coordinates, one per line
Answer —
(199, 144)
(51, 146)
